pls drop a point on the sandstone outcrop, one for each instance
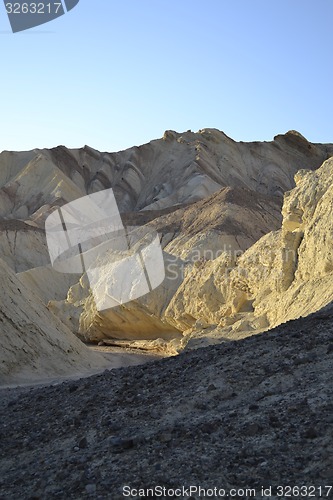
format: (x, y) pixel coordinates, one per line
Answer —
(216, 203)
(225, 223)
(22, 246)
(242, 287)
(180, 168)
(285, 275)
(254, 410)
(34, 344)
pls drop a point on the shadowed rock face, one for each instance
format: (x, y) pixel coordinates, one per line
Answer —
(214, 202)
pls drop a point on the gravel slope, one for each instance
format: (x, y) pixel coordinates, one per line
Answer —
(243, 414)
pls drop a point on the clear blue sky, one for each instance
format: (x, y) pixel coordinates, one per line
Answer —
(113, 74)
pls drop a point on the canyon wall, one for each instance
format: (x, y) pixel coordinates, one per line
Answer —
(246, 232)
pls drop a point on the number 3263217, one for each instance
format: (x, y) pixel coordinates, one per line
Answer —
(33, 8)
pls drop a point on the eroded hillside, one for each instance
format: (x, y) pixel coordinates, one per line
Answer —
(235, 265)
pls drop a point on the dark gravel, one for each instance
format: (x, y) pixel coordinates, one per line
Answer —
(246, 414)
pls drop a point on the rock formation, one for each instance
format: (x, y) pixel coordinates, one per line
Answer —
(180, 168)
(227, 285)
(34, 344)
(231, 270)
(285, 275)
(225, 223)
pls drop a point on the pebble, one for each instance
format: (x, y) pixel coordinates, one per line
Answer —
(311, 433)
(91, 489)
(83, 443)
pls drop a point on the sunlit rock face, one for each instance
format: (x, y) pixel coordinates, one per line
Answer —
(285, 275)
(234, 264)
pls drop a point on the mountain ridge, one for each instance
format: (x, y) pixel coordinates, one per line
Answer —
(216, 204)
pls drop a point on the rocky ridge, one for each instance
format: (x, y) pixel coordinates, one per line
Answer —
(214, 202)
(230, 281)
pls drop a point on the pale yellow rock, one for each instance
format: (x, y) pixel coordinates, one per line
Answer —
(285, 275)
(224, 224)
(47, 283)
(34, 344)
(180, 168)
(139, 319)
(22, 246)
(38, 182)
(211, 199)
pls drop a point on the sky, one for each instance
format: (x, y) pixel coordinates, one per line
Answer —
(113, 74)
